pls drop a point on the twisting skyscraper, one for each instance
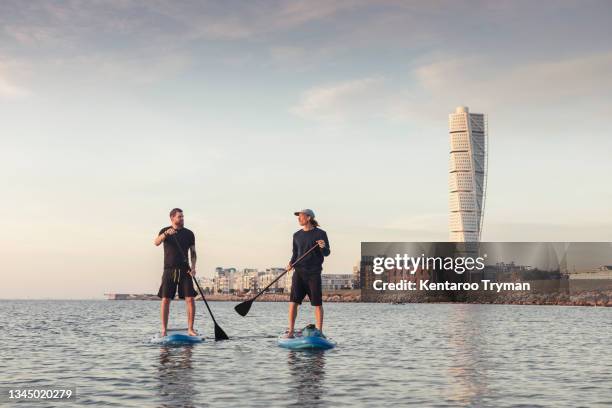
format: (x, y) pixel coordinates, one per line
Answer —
(467, 178)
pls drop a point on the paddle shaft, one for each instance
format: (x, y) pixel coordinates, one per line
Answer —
(194, 279)
(286, 270)
(204, 299)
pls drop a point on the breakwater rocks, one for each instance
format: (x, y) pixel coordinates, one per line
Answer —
(591, 298)
(560, 299)
(541, 293)
(336, 296)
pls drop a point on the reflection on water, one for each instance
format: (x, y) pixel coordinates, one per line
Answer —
(307, 370)
(468, 377)
(175, 376)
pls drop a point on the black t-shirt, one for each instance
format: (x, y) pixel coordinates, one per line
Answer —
(172, 255)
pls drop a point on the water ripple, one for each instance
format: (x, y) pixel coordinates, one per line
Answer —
(415, 354)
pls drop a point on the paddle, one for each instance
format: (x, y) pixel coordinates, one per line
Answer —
(243, 308)
(219, 333)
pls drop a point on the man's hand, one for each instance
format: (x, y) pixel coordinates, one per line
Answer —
(192, 272)
(321, 243)
(162, 237)
(289, 267)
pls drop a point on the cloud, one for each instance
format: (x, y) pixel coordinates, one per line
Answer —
(530, 89)
(586, 75)
(76, 20)
(340, 101)
(314, 33)
(8, 88)
(139, 69)
(430, 90)
(253, 19)
(143, 42)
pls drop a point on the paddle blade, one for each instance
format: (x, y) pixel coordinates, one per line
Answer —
(243, 308)
(220, 334)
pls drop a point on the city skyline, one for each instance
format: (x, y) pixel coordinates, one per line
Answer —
(243, 280)
(114, 113)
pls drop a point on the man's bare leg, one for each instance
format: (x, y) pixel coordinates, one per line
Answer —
(293, 308)
(189, 301)
(165, 310)
(319, 317)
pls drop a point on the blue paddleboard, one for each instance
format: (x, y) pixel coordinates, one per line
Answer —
(177, 336)
(307, 339)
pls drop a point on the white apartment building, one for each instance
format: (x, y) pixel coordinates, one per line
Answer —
(224, 280)
(336, 281)
(207, 284)
(267, 277)
(246, 280)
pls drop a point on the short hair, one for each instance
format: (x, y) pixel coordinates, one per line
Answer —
(174, 211)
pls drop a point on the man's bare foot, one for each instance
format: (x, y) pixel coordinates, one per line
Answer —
(192, 332)
(163, 333)
(288, 334)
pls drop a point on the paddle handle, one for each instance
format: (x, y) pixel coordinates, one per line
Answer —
(286, 270)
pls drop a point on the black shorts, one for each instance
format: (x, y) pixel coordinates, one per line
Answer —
(176, 278)
(303, 284)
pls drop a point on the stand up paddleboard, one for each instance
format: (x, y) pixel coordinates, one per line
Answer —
(177, 336)
(308, 338)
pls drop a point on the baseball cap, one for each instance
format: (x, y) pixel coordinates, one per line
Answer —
(306, 211)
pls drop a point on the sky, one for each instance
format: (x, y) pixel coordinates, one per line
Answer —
(114, 112)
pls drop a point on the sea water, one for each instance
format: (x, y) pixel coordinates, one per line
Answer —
(396, 355)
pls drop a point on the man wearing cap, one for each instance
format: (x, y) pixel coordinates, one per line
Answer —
(307, 275)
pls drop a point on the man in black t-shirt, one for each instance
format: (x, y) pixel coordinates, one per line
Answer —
(177, 274)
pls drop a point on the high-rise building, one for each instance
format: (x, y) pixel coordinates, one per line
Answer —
(468, 174)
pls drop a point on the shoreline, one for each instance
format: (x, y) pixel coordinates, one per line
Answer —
(585, 298)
